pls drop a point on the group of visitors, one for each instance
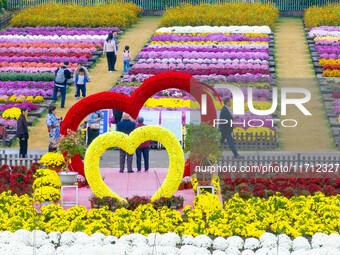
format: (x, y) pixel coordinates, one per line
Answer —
(110, 49)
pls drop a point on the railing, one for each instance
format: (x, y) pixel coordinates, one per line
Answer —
(15, 160)
(162, 4)
(306, 160)
(5, 20)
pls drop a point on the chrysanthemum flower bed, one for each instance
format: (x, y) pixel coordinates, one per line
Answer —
(298, 216)
(228, 14)
(120, 14)
(327, 15)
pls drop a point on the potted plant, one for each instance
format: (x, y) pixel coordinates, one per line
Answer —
(187, 182)
(53, 160)
(70, 145)
(203, 144)
(91, 198)
(181, 186)
(173, 203)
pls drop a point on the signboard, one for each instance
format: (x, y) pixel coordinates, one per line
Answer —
(150, 117)
(172, 120)
(104, 123)
(193, 117)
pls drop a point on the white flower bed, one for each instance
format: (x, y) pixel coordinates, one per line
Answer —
(38, 242)
(215, 29)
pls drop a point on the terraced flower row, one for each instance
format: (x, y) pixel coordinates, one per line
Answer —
(215, 55)
(324, 44)
(29, 56)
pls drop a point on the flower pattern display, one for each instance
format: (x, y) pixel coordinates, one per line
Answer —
(130, 144)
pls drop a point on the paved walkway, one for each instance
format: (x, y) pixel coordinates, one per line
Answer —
(136, 37)
(294, 69)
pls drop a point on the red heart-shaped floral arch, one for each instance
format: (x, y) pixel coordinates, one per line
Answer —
(133, 104)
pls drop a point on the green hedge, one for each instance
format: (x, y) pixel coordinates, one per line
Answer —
(7, 76)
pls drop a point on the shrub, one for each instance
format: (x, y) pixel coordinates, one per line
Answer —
(117, 14)
(239, 14)
(322, 16)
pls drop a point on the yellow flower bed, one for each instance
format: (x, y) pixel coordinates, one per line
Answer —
(21, 99)
(130, 144)
(46, 186)
(327, 38)
(322, 16)
(113, 14)
(331, 73)
(215, 180)
(229, 14)
(253, 132)
(12, 113)
(330, 62)
(298, 216)
(52, 159)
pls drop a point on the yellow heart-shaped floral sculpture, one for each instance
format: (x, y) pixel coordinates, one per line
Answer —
(130, 144)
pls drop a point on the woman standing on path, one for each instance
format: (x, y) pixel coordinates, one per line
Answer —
(111, 52)
(53, 125)
(22, 132)
(93, 126)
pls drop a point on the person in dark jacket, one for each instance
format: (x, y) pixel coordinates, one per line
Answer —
(143, 148)
(127, 125)
(118, 115)
(227, 129)
(61, 85)
(22, 132)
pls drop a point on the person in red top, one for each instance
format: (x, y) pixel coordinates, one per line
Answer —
(143, 148)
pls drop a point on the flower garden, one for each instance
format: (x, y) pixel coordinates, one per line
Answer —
(219, 45)
(323, 39)
(238, 55)
(34, 47)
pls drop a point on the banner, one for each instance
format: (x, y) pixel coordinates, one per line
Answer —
(150, 117)
(193, 117)
(172, 120)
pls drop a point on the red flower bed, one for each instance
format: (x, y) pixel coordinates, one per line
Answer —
(295, 183)
(78, 55)
(18, 179)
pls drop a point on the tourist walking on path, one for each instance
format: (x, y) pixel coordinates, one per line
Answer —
(126, 59)
(127, 125)
(22, 132)
(93, 126)
(53, 126)
(111, 52)
(62, 74)
(80, 82)
(144, 149)
(81, 66)
(227, 129)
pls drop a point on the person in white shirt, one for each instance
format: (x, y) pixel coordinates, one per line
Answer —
(81, 66)
(111, 52)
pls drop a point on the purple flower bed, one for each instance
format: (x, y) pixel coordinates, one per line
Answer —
(326, 28)
(336, 108)
(197, 66)
(204, 55)
(207, 38)
(43, 59)
(31, 69)
(9, 124)
(47, 50)
(251, 120)
(26, 84)
(27, 104)
(27, 92)
(228, 46)
(53, 41)
(246, 78)
(58, 30)
(327, 42)
(258, 94)
(201, 61)
(328, 49)
(204, 50)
